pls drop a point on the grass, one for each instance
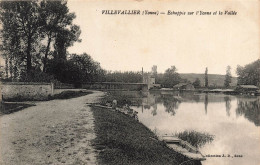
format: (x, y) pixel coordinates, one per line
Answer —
(62, 95)
(123, 140)
(122, 99)
(7, 108)
(197, 139)
(70, 94)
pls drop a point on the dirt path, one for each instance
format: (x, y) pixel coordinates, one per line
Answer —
(53, 132)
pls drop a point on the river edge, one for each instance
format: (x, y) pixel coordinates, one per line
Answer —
(120, 139)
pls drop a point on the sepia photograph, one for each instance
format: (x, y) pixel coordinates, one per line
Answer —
(129, 82)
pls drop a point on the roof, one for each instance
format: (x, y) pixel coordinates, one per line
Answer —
(180, 85)
(248, 86)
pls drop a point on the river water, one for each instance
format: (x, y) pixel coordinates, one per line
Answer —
(233, 120)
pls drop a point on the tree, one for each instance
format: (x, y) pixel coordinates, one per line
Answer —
(206, 78)
(228, 77)
(21, 26)
(196, 83)
(154, 72)
(171, 77)
(31, 29)
(58, 26)
(249, 74)
(126, 77)
(89, 70)
(78, 69)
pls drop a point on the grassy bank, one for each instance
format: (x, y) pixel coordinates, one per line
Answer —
(123, 140)
(70, 94)
(7, 108)
(62, 95)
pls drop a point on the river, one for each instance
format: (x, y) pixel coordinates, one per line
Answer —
(232, 120)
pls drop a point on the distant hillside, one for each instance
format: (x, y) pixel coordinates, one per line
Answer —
(214, 79)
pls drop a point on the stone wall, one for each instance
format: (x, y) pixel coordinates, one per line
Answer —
(17, 91)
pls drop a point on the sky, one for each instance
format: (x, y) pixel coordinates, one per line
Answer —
(191, 43)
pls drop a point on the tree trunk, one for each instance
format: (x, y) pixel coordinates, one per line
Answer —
(6, 66)
(11, 67)
(46, 55)
(28, 55)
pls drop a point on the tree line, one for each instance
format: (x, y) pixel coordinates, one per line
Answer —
(35, 36)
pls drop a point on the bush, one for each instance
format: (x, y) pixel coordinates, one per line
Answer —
(37, 76)
(196, 139)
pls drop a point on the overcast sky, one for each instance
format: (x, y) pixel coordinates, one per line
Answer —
(191, 43)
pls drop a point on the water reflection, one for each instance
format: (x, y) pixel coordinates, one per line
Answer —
(169, 101)
(233, 120)
(249, 108)
(206, 101)
(228, 104)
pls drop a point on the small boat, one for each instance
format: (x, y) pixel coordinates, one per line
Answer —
(183, 147)
(101, 106)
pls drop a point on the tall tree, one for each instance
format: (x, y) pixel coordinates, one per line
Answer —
(154, 72)
(206, 77)
(58, 27)
(33, 28)
(228, 77)
(64, 39)
(21, 26)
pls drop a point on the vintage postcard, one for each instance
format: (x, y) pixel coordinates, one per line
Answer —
(130, 82)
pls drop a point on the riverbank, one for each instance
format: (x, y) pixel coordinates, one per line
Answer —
(123, 140)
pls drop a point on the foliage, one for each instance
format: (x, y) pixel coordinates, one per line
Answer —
(215, 80)
(1, 72)
(88, 69)
(228, 77)
(197, 83)
(77, 70)
(70, 94)
(171, 77)
(121, 98)
(249, 74)
(26, 26)
(20, 34)
(57, 27)
(154, 70)
(206, 77)
(196, 139)
(36, 76)
(127, 77)
(10, 107)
